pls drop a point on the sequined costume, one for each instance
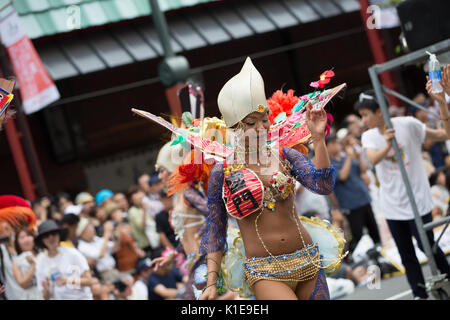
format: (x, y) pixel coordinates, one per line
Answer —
(302, 264)
(238, 191)
(214, 239)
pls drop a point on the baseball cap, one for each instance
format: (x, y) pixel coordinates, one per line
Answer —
(81, 226)
(73, 209)
(143, 264)
(83, 197)
(153, 179)
(342, 133)
(110, 207)
(70, 218)
(102, 195)
(330, 138)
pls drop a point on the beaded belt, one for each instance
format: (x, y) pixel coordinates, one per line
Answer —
(301, 265)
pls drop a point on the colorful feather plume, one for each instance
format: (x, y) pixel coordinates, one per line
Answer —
(193, 169)
(281, 102)
(16, 212)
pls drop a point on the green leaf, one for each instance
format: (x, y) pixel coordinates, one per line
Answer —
(186, 118)
(179, 139)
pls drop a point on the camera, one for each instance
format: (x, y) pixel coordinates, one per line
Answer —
(4, 239)
(120, 285)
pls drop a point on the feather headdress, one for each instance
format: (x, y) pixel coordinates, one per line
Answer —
(16, 212)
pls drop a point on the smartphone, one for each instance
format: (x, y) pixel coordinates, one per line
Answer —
(120, 285)
(4, 239)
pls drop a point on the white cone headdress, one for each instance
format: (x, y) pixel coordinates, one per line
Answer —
(242, 95)
(169, 157)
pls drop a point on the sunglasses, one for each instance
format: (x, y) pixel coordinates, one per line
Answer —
(51, 233)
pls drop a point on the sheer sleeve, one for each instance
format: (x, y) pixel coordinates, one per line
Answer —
(319, 181)
(196, 200)
(180, 248)
(214, 237)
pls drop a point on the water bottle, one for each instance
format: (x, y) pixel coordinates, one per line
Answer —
(434, 73)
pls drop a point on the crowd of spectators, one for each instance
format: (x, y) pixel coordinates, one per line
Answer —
(94, 246)
(101, 246)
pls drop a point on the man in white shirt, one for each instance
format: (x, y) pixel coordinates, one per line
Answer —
(410, 134)
(143, 270)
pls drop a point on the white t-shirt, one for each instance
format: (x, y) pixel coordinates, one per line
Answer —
(32, 292)
(153, 206)
(394, 202)
(69, 262)
(309, 201)
(91, 250)
(140, 291)
(13, 289)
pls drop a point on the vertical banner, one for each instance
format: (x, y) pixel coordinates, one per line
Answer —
(36, 87)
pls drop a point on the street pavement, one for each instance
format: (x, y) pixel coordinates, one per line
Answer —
(394, 288)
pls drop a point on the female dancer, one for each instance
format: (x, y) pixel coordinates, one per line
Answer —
(282, 260)
(188, 183)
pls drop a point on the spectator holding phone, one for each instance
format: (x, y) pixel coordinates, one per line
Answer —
(351, 191)
(24, 265)
(123, 287)
(143, 224)
(98, 250)
(128, 252)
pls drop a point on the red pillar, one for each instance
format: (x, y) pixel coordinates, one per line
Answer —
(19, 159)
(377, 46)
(174, 101)
(14, 140)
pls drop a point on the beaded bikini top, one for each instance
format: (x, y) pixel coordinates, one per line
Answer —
(244, 193)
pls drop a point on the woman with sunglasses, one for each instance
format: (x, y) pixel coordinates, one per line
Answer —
(62, 273)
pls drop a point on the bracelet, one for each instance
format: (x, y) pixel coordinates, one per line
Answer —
(208, 258)
(446, 119)
(212, 284)
(218, 274)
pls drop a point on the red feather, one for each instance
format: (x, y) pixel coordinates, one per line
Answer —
(190, 171)
(16, 212)
(281, 102)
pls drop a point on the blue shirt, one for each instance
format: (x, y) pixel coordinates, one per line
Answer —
(169, 281)
(351, 193)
